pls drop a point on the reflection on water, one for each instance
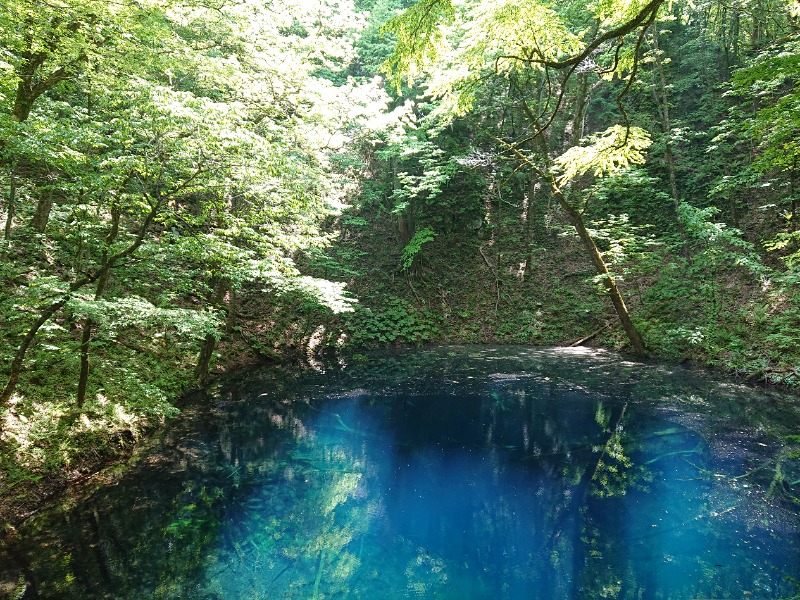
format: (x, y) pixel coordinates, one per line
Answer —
(444, 473)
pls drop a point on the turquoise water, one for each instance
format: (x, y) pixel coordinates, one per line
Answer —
(451, 472)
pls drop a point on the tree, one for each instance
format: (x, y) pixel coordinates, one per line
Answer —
(531, 42)
(182, 153)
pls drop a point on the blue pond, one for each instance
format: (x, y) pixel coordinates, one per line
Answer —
(450, 472)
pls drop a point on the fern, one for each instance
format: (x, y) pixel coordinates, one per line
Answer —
(423, 236)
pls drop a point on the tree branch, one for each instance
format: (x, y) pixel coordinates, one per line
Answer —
(646, 15)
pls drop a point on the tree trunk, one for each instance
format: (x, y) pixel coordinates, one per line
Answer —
(49, 311)
(540, 143)
(23, 101)
(88, 324)
(582, 99)
(496, 233)
(43, 208)
(406, 226)
(600, 266)
(219, 287)
(11, 203)
(734, 35)
(83, 376)
(233, 307)
(661, 97)
(792, 197)
(757, 33)
(528, 215)
(32, 82)
(19, 357)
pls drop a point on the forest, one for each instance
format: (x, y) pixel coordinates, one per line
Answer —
(192, 186)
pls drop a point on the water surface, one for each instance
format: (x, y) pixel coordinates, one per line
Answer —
(451, 472)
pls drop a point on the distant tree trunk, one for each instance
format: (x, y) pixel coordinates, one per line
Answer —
(582, 97)
(88, 324)
(792, 196)
(528, 215)
(406, 228)
(43, 208)
(496, 233)
(233, 307)
(759, 25)
(29, 88)
(728, 20)
(83, 377)
(734, 37)
(661, 98)
(536, 210)
(11, 203)
(219, 287)
(394, 182)
(406, 225)
(581, 101)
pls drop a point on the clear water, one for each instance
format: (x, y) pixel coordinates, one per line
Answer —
(452, 472)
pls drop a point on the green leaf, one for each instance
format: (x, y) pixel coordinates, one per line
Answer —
(605, 153)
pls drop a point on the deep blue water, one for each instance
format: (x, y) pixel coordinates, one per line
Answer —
(463, 473)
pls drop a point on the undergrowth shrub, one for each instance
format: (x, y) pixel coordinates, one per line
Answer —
(395, 321)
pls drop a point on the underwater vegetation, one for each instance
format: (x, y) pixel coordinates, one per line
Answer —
(453, 472)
